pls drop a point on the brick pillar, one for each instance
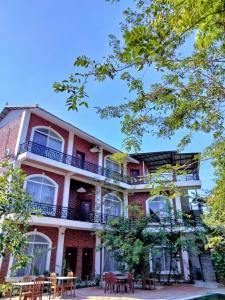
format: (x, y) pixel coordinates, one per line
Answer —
(79, 262)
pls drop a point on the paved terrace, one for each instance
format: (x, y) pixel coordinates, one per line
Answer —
(176, 291)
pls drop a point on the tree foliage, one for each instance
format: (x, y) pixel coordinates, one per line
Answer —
(15, 212)
(133, 240)
(184, 42)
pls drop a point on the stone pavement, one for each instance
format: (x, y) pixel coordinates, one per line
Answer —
(176, 291)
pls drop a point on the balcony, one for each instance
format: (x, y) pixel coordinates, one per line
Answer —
(55, 211)
(93, 168)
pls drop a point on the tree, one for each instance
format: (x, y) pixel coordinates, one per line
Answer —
(132, 240)
(15, 212)
(190, 94)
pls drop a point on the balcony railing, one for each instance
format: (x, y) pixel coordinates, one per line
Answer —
(68, 213)
(93, 168)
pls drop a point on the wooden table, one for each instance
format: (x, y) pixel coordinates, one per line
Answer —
(28, 283)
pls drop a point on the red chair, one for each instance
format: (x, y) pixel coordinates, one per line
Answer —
(130, 282)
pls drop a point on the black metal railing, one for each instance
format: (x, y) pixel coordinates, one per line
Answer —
(93, 168)
(56, 211)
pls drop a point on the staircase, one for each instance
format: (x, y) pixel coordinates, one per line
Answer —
(208, 272)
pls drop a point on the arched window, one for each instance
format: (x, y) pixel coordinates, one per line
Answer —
(112, 165)
(42, 189)
(158, 209)
(112, 205)
(39, 249)
(47, 137)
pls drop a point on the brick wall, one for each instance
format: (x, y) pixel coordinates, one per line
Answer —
(139, 199)
(9, 133)
(80, 239)
(38, 121)
(84, 146)
(59, 179)
(136, 167)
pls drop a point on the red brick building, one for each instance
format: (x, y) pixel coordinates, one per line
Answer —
(76, 186)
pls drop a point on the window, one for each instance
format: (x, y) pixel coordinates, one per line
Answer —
(48, 138)
(110, 263)
(38, 249)
(159, 209)
(160, 261)
(112, 165)
(112, 205)
(42, 189)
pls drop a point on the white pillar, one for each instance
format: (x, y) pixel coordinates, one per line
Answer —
(179, 208)
(97, 257)
(70, 143)
(125, 203)
(59, 251)
(185, 259)
(100, 157)
(66, 191)
(98, 198)
(24, 123)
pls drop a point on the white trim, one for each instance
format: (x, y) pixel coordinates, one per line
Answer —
(35, 128)
(125, 203)
(21, 137)
(100, 157)
(48, 178)
(35, 232)
(59, 251)
(98, 198)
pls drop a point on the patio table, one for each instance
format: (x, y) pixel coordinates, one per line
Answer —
(28, 283)
(122, 279)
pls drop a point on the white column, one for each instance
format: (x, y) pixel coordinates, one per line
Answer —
(59, 251)
(98, 198)
(97, 257)
(185, 259)
(100, 157)
(178, 207)
(24, 123)
(66, 191)
(70, 143)
(125, 203)
(125, 169)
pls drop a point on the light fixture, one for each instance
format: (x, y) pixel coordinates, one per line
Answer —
(81, 190)
(94, 149)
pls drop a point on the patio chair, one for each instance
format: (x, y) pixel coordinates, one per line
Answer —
(69, 285)
(25, 289)
(106, 279)
(130, 282)
(55, 288)
(36, 291)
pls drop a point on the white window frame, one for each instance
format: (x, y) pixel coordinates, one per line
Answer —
(147, 208)
(166, 271)
(46, 177)
(60, 138)
(119, 200)
(108, 157)
(48, 260)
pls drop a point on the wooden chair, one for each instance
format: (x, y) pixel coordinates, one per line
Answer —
(69, 285)
(106, 279)
(25, 289)
(36, 291)
(55, 288)
(130, 282)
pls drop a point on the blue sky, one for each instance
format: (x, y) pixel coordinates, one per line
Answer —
(39, 42)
